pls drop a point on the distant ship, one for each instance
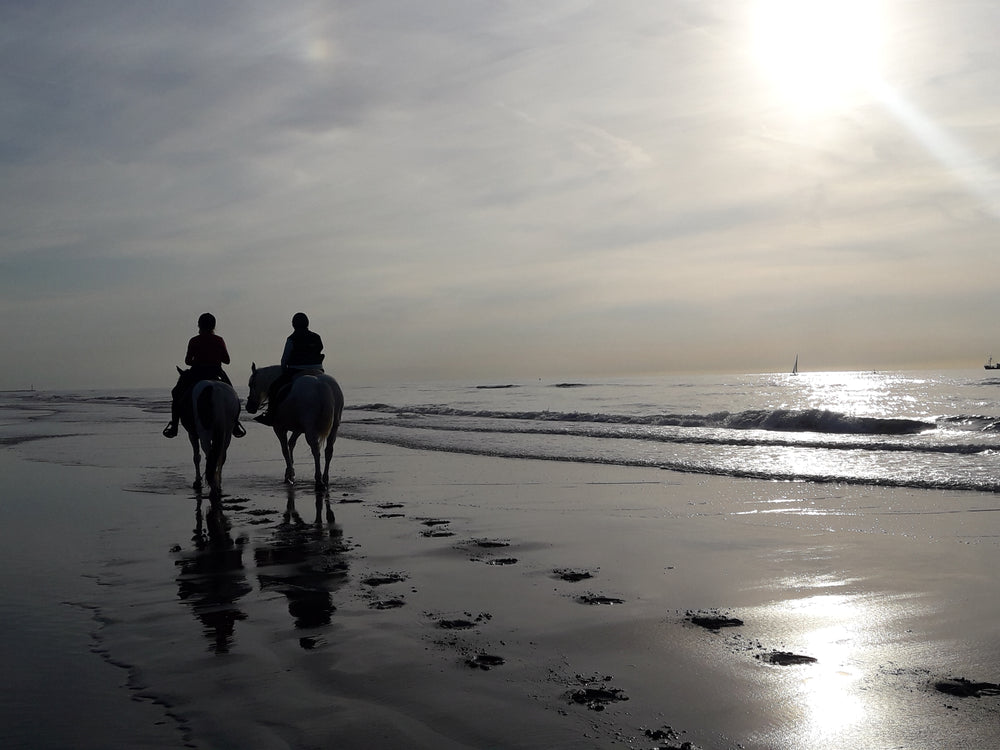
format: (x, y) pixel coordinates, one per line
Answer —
(991, 365)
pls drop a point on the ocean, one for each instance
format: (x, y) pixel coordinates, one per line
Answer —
(928, 430)
(931, 430)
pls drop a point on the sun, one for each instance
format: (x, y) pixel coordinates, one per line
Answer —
(819, 54)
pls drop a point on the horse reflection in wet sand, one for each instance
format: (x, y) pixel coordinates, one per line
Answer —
(208, 417)
(304, 562)
(212, 579)
(313, 408)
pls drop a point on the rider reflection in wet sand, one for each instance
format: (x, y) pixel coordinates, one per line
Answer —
(206, 353)
(303, 352)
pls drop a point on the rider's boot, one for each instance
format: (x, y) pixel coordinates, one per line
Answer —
(239, 430)
(264, 418)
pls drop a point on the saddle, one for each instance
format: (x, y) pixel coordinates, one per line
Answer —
(286, 388)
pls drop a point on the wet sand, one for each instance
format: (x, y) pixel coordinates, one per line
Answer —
(469, 602)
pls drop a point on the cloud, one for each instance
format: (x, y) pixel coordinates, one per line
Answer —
(462, 186)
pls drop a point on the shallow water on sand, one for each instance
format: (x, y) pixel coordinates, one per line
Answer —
(59, 691)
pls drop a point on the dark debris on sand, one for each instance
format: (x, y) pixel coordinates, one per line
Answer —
(598, 599)
(464, 623)
(485, 661)
(786, 658)
(596, 693)
(394, 603)
(436, 533)
(712, 620)
(383, 579)
(502, 561)
(963, 688)
(667, 734)
(572, 576)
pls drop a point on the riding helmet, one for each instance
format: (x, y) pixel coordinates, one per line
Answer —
(206, 322)
(300, 320)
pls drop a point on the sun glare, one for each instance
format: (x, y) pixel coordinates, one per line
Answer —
(820, 54)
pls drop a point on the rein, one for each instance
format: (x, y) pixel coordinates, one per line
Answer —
(262, 399)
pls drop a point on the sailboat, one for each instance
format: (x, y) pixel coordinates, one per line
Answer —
(795, 367)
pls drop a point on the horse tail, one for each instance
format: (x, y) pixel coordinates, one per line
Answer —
(338, 404)
(205, 408)
(327, 415)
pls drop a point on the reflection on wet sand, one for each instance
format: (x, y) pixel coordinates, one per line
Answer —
(212, 578)
(305, 563)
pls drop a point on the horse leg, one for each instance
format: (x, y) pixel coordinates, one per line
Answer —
(328, 456)
(287, 445)
(197, 460)
(313, 441)
(215, 457)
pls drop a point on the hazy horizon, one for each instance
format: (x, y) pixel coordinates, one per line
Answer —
(499, 190)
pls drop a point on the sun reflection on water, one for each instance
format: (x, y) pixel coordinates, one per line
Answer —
(854, 393)
(835, 630)
(830, 698)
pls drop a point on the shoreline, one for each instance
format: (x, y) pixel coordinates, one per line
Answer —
(467, 601)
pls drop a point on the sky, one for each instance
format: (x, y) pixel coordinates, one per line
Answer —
(492, 190)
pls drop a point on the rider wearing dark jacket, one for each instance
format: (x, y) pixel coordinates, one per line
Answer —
(206, 353)
(303, 352)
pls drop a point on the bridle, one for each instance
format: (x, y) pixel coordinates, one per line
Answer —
(262, 398)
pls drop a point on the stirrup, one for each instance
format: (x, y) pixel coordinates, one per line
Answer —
(170, 431)
(264, 419)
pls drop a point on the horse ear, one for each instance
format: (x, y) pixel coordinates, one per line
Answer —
(179, 370)
(253, 367)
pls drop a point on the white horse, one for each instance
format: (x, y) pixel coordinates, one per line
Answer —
(312, 408)
(209, 417)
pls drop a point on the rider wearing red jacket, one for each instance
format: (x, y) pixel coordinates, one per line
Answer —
(206, 353)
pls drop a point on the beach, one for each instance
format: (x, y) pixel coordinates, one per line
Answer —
(430, 599)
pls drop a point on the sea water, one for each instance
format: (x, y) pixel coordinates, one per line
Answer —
(906, 429)
(932, 430)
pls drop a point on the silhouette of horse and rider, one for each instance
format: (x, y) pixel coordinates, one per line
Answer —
(301, 400)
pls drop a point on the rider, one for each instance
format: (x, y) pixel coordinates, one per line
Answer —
(303, 351)
(206, 353)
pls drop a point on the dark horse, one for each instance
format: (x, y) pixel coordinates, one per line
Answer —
(208, 415)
